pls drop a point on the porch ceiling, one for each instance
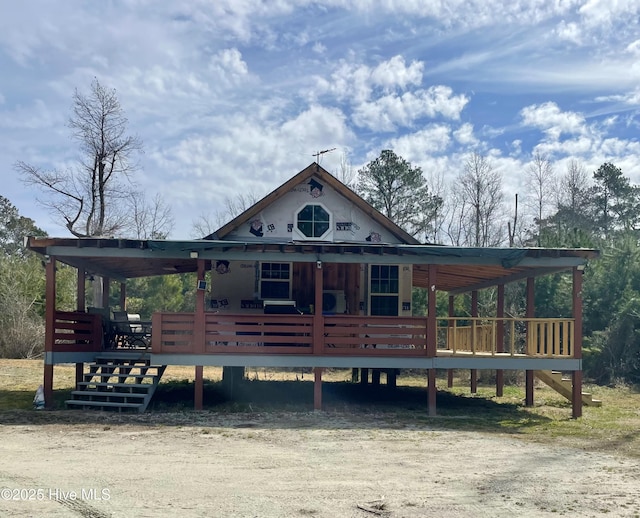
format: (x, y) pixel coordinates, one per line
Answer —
(458, 269)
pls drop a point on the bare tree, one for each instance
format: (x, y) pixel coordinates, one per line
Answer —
(540, 181)
(480, 202)
(438, 187)
(151, 220)
(89, 199)
(207, 224)
(346, 174)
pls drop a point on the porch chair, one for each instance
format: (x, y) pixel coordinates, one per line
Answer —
(129, 332)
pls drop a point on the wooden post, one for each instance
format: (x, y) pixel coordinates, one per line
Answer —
(500, 339)
(317, 388)
(375, 377)
(80, 290)
(49, 338)
(123, 296)
(432, 322)
(106, 286)
(318, 318)
(576, 394)
(79, 374)
(449, 326)
(199, 316)
(530, 313)
(364, 376)
(431, 391)
(80, 307)
(474, 314)
(198, 388)
(392, 378)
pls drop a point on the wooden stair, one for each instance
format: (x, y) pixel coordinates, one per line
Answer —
(564, 386)
(113, 383)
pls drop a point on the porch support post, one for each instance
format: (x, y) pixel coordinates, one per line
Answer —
(317, 388)
(530, 313)
(123, 296)
(431, 391)
(576, 395)
(474, 314)
(198, 394)
(199, 317)
(500, 339)
(80, 296)
(364, 376)
(49, 319)
(318, 318)
(198, 338)
(432, 322)
(450, 326)
(375, 377)
(80, 307)
(106, 282)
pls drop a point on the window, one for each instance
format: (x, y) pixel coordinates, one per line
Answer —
(313, 221)
(385, 286)
(275, 280)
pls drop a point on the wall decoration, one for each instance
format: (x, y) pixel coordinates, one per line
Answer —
(344, 226)
(251, 304)
(271, 227)
(406, 306)
(256, 228)
(222, 267)
(374, 237)
(315, 188)
(289, 227)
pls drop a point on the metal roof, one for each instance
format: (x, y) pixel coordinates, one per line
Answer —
(459, 268)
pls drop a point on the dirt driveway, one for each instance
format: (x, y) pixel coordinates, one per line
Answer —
(298, 464)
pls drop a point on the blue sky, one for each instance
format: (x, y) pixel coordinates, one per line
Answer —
(232, 96)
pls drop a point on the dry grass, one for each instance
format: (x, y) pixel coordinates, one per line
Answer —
(613, 427)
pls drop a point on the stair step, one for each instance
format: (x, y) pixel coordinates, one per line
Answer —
(117, 375)
(97, 393)
(141, 386)
(104, 387)
(76, 402)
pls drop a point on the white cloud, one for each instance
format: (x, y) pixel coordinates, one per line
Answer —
(569, 32)
(390, 111)
(319, 48)
(464, 135)
(414, 147)
(549, 118)
(357, 82)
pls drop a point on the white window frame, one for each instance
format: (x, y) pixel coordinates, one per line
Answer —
(289, 281)
(327, 236)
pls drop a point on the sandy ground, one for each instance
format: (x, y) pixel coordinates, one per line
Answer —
(300, 464)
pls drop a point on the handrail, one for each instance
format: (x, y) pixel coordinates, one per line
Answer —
(341, 334)
(548, 337)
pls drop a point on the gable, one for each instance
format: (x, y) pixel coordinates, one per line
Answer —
(313, 206)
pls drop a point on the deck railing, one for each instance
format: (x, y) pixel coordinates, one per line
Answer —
(521, 336)
(77, 332)
(340, 335)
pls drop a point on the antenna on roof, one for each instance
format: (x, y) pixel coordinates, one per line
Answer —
(320, 153)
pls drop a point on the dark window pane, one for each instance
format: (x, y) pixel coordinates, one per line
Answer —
(320, 228)
(274, 290)
(384, 305)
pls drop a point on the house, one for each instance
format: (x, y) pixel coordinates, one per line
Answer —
(311, 276)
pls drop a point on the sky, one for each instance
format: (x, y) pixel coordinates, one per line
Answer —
(231, 97)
